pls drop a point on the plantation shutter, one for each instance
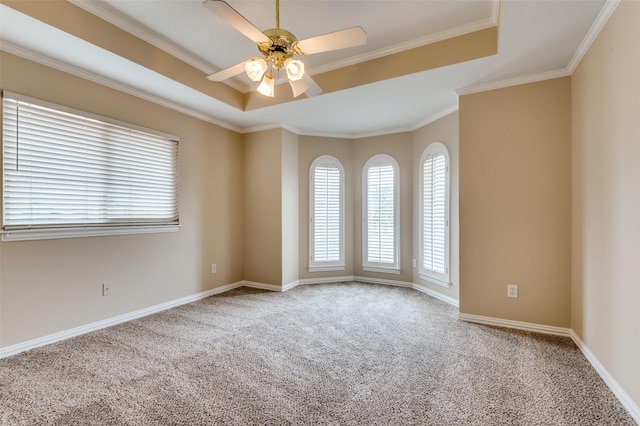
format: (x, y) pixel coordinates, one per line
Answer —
(326, 214)
(381, 219)
(62, 169)
(434, 220)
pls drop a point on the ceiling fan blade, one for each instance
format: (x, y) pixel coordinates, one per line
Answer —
(314, 89)
(237, 21)
(227, 72)
(350, 37)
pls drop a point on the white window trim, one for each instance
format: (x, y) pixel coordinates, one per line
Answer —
(339, 265)
(375, 266)
(443, 280)
(52, 232)
(435, 281)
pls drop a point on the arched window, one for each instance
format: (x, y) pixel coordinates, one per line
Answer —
(381, 219)
(434, 214)
(326, 211)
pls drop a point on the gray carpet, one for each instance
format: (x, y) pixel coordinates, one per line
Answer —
(342, 354)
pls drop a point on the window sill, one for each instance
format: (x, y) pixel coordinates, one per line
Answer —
(54, 234)
(435, 281)
(382, 270)
(326, 268)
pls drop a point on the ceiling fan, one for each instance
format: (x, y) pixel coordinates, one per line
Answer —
(279, 49)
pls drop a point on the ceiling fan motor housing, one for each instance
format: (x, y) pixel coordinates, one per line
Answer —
(282, 46)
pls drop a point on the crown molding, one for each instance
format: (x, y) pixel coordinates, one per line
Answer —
(124, 23)
(602, 19)
(495, 11)
(382, 132)
(532, 78)
(435, 117)
(130, 26)
(410, 44)
(90, 76)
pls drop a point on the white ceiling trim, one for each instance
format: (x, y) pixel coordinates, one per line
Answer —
(383, 132)
(126, 24)
(90, 76)
(526, 79)
(411, 44)
(435, 117)
(603, 17)
(150, 37)
(495, 11)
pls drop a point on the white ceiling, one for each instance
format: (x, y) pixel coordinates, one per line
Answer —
(537, 39)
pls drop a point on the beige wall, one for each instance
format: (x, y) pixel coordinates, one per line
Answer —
(271, 207)
(290, 205)
(606, 198)
(354, 153)
(263, 207)
(529, 200)
(515, 202)
(51, 286)
(398, 146)
(444, 130)
(310, 148)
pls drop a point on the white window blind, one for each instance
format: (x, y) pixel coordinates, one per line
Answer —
(65, 169)
(326, 213)
(435, 214)
(380, 216)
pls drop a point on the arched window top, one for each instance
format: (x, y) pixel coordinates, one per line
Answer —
(435, 149)
(326, 214)
(381, 218)
(327, 160)
(380, 159)
(434, 214)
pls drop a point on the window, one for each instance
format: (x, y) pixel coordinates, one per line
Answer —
(67, 173)
(434, 223)
(326, 195)
(380, 215)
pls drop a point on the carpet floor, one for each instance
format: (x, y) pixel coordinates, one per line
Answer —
(339, 354)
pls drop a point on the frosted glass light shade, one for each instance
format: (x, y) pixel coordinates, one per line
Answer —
(295, 69)
(266, 85)
(298, 87)
(255, 68)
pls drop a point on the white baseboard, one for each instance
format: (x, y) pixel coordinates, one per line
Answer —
(291, 285)
(263, 286)
(624, 398)
(518, 325)
(394, 283)
(627, 402)
(325, 280)
(331, 280)
(632, 408)
(437, 295)
(77, 331)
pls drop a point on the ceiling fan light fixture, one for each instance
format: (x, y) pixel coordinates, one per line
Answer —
(298, 87)
(255, 68)
(295, 69)
(267, 85)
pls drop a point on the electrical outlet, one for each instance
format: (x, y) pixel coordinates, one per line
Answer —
(213, 268)
(415, 263)
(106, 290)
(512, 290)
